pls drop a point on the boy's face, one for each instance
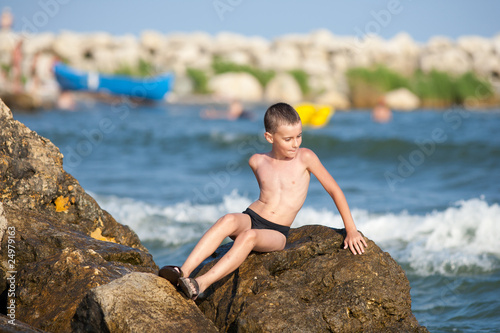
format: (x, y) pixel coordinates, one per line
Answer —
(286, 140)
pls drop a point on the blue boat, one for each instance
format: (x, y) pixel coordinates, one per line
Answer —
(153, 88)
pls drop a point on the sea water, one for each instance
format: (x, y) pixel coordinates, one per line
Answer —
(425, 187)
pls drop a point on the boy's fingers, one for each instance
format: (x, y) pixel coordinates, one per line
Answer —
(353, 249)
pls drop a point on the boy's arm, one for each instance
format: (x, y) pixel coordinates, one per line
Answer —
(353, 240)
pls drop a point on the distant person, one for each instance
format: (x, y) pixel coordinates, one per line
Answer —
(235, 111)
(381, 112)
(17, 60)
(66, 101)
(283, 175)
(7, 19)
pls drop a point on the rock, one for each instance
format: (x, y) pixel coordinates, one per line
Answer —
(6, 327)
(281, 57)
(335, 99)
(438, 44)
(475, 45)
(139, 302)
(454, 61)
(339, 62)
(21, 101)
(315, 62)
(283, 87)
(404, 54)
(323, 39)
(68, 45)
(227, 42)
(65, 244)
(42, 42)
(402, 99)
(240, 86)
(238, 57)
(153, 41)
(314, 285)
(487, 65)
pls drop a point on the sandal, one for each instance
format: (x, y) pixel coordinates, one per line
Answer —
(171, 273)
(189, 287)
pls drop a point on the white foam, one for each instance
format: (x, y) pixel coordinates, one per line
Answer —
(462, 238)
(172, 225)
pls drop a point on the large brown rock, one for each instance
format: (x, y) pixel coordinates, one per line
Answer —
(313, 286)
(6, 326)
(139, 302)
(63, 244)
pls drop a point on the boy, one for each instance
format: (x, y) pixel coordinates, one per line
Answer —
(283, 175)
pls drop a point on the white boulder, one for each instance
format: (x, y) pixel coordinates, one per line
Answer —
(236, 86)
(335, 99)
(402, 99)
(453, 60)
(283, 87)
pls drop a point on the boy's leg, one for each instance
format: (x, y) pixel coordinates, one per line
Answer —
(228, 225)
(260, 240)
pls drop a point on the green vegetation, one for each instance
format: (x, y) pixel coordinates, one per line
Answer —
(469, 85)
(220, 66)
(142, 69)
(5, 68)
(302, 79)
(381, 78)
(199, 79)
(434, 87)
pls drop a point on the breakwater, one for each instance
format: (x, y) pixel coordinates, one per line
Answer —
(316, 66)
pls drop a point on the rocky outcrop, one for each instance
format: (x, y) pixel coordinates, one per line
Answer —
(139, 302)
(62, 244)
(313, 286)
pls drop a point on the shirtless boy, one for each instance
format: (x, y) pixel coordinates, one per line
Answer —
(283, 175)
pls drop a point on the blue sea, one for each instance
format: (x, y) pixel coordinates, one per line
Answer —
(425, 187)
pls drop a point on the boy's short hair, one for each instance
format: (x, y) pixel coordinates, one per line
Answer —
(280, 114)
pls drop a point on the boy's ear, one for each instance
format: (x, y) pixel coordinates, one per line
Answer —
(269, 137)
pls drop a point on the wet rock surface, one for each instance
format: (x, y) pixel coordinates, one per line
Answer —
(314, 285)
(62, 243)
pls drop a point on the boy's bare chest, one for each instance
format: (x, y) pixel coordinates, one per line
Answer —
(287, 176)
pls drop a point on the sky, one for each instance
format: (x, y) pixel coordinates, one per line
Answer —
(422, 19)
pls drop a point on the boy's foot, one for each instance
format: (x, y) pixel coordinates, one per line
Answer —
(171, 273)
(189, 287)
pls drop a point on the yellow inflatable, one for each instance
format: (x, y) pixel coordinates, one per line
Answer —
(314, 115)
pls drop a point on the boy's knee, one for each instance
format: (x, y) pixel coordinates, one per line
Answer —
(227, 221)
(248, 236)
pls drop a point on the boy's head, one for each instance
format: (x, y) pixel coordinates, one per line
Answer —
(280, 114)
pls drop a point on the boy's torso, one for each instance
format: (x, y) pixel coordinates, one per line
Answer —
(283, 187)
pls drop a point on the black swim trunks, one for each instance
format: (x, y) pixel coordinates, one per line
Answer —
(261, 223)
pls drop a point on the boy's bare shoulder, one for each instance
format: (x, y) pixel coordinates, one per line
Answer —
(255, 159)
(307, 154)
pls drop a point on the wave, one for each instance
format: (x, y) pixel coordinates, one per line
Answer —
(462, 239)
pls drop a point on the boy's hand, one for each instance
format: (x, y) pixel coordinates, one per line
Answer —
(355, 242)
